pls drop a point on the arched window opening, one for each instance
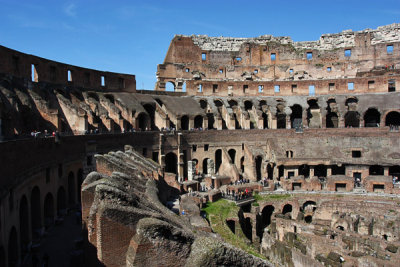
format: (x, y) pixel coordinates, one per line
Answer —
(372, 118)
(150, 109)
(198, 122)
(170, 87)
(352, 119)
(210, 118)
(232, 155)
(184, 123)
(392, 119)
(218, 159)
(203, 104)
(171, 162)
(61, 201)
(242, 164)
(205, 166)
(143, 122)
(24, 226)
(48, 210)
(258, 168)
(248, 105)
(287, 209)
(296, 118)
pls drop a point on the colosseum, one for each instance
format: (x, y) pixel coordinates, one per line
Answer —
(267, 152)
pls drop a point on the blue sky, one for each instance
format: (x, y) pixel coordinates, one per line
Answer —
(133, 36)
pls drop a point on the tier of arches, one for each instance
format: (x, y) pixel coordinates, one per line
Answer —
(38, 209)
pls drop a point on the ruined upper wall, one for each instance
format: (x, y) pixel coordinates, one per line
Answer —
(362, 62)
(384, 34)
(36, 69)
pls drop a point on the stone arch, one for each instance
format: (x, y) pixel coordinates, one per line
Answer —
(218, 159)
(266, 215)
(280, 117)
(248, 105)
(372, 118)
(93, 95)
(61, 201)
(171, 163)
(79, 184)
(258, 161)
(151, 110)
(392, 118)
(142, 121)
(48, 209)
(110, 98)
(232, 155)
(309, 206)
(242, 164)
(232, 103)
(170, 86)
(203, 103)
(287, 209)
(332, 120)
(205, 166)
(24, 238)
(296, 117)
(184, 122)
(36, 211)
(13, 248)
(313, 114)
(71, 189)
(265, 120)
(211, 120)
(352, 119)
(198, 122)
(218, 103)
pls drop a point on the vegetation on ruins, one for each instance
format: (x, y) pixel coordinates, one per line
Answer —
(217, 214)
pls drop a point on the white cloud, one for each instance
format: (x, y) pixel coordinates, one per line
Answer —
(70, 10)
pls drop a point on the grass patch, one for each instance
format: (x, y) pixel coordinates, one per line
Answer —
(217, 213)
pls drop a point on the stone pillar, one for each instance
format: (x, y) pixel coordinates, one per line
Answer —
(311, 171)
(276, 172)
(288, 122)
(273, 123)
(210, 167)
(386, 171)
(180, 159)
(328, 171)
(191, 123)
(191, 169)
(341, 122)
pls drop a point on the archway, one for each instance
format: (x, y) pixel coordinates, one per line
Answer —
(392, 119)
(210, 118)
(205, 166)
(171, 162)
(313, 114)
(248, 105)
(309, 206)
(110, 98)
(48, 209)
(198, 122)
(151, 110)
(332, 120)
(203, 104)
(79, 185)
(258, 167)
(71, 189)
(142, 121)
(372, 118)
(36, 212)
(266, 215)
(232, 155)
(23, 226)
(242, 164)
(296, 116)
(232, 103)
(218, 159)
(61, 201)
(13, 248)
(281, 121)
(184, 122)
(287, 209)
(265, 120)
(352, 119)
(218, 103)
(170, 87)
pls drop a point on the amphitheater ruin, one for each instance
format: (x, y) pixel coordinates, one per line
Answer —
(248, 152)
